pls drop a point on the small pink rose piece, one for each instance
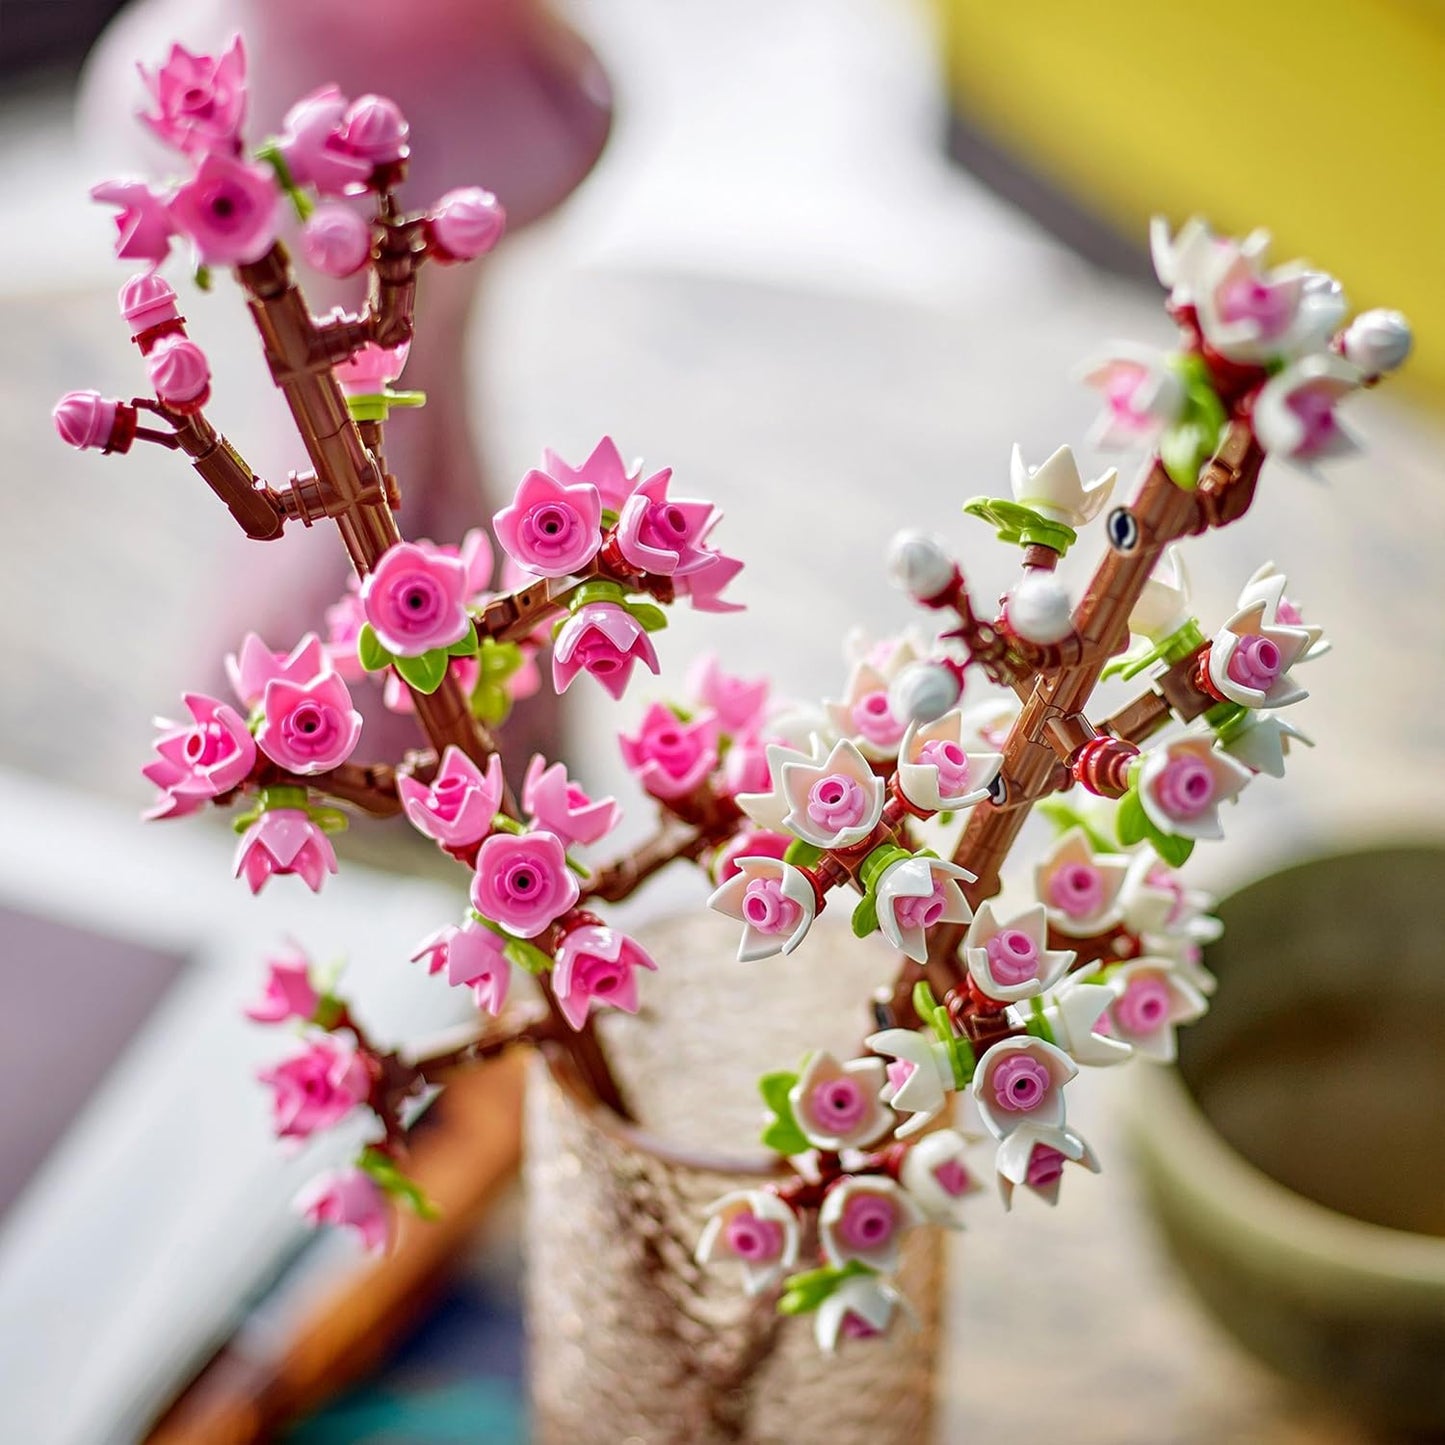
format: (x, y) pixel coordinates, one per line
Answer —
(597, 966)
(317, 1088)
(228, 209)
(255, 665)
(281, 841)
(1011, 960)
(200, 100)
(559, 805)
(1035, 1155)
(353, 1199)
(310, 143)
(375, 129)
(195, 763)
(458, 806)
(143, 224)
(522, 882)
(1021, 1081)
(1182, 784)
(289, 992)
(1081, 889)
(551, 529)
(310, 727)
(336, 241)
(669, 757)
(416, 601)
(604, 640)
(465, 224)
(863, 1218)
(774, 901)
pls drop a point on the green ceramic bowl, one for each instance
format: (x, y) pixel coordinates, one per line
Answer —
(1296, 1157)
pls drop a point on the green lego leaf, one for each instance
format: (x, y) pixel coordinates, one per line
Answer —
(1131, 822)
(369, 651)
(802, 854)
(1191, 441)
(781, 1133)
(865, 916)
(651, 617)
(527, 956)
(1065, 816)
(384, 1172)
(465, 646)
(804, 1292)
(424, 673)
(1021, 526)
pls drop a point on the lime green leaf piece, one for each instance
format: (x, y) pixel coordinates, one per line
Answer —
(527, 956)
(1065, 816)
(781, 1133)
(1021, 526)
(490, 703)
(784, 1137)
(497, 661)
(1173, 849)
(465, 645)
(802, 854)
(1130, 821)
(329, 820)
(202, 277)
(651, 618)
(369, 651)
(396, 1184)
(1191, 441)
(865, 916)
(424, 673)
(804, 1292)
(775, 1089)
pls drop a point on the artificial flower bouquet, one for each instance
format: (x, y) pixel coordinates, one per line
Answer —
(901, 800)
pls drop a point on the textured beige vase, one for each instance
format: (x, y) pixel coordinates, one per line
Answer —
(630, 1339)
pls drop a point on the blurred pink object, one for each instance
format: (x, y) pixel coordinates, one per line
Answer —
(85, 418)
(336, 241)
(350, 1197)
(466, 223)
(200, 99)
(179, 372)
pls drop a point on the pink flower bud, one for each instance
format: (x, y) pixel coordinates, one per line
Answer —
(336, 241)
(562, 807)
(289, 992)
(86, 420)
(838, 1105)
(196, 763)
(375, 129)
(671, 758)
(148, 300)
(1013, 957)
(352, 1198)
(465, 224)
(200, 100)
(1144, 1006)
(1185, 787)
(951, 762)
(766, 909)
(1256, 662)
(604, 640)
(1077, 890)
(459, 805)
(1046, 1165)
(873, 719)
(597, 965)
(280, 841)
(180, 373)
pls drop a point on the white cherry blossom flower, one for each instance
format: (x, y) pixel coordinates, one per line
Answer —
(919, 1078)
(1262, 742)
(861, 1307)
(773, 900)
(1294, 413)
(936, 771)
(1012, 960)
(1034, 1156)
(1268, 585)
(865, 714)
(839, 1106)
(1079, 887)
(1021, 1081)
(863, 1217)
(754, 1229)
(1163, 606)
(1150, 1001)
(1182, 784)
(1072, 1012)
(1142, 395)
(915, 894)
(1055, 490)
(936, 1175)
(1250, 659)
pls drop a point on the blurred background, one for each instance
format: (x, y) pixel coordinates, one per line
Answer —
(829, 260)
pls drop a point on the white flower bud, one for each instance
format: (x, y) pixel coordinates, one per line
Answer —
(919, 565)
(923, 692)
(1378, 341)
(1039, 609)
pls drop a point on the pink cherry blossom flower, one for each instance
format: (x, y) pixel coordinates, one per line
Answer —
(465, 223)
(352, 1198)
(476, 556)
(458, 806)
(596, 966)
(754, 1229)
(863, 1218)
(738, 703)
(143, 225)
(1034, 1156)
(284, 840)
(748, 843)
(745, 767)
(658, 534)
(603, 469)
(916, 894)
(556, 803)
(773, 901)
(669, 757)
(1183, 783)
(1080, 888)
(1011, 960)
(475, 960)
(522, 882)
(336, 241)
(308, 727)
(228, 209)
(200, 99)
(416, 601)
(1294, 413)
(344, 619)
(837, 1106)
(289, 992)
(433, 949)
(195, 763)
(256, 665)
(604, 640)
(551, 529)
(370, 370)
(703, 587)
(317, 1088)
(1019, 1081)
(311, 145)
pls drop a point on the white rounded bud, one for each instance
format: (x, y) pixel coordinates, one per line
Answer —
(919, 565)
(923, 692)
(1378, 341)
(1039, 609)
